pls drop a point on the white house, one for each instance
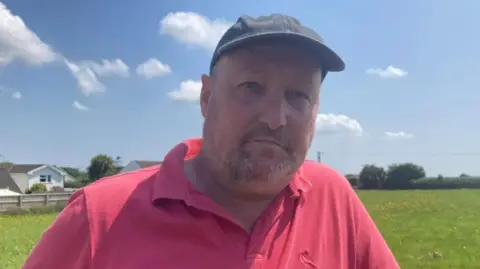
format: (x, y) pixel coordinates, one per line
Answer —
(137, 164)
(25, 175)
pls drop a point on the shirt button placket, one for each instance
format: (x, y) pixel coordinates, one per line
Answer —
(255, 261)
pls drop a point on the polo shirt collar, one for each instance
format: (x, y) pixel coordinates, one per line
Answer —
(172, 183)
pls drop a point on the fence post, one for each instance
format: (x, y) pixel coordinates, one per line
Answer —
(46, 199)
(19, 201)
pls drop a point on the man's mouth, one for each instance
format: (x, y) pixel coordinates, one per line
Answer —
(268, 141)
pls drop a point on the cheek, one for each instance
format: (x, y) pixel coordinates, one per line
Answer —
(227, 127)
(302, 133)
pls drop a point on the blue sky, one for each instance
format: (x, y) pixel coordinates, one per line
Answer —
(72, 83)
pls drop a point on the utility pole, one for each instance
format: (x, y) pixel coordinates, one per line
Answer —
(319, 156)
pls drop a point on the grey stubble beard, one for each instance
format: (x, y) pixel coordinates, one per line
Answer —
(243, 169)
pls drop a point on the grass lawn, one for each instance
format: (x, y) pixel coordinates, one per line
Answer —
(18, 235)
(429, 229)
(424, 229)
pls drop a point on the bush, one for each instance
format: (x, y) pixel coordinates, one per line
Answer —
(37, 188)
(447, 183)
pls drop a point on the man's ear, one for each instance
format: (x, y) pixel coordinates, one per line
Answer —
(205, 94)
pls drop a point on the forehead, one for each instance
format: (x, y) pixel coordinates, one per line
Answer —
(275, 56)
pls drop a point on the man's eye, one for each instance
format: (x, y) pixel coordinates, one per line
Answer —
(253, 87)
(298, 95)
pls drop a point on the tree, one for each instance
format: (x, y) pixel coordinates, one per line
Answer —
(401, 176)
(371, 177)
(101, 166)
(74, 172)
(81, 177)
(352, 179)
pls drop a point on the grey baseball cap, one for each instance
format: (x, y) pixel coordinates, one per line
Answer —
(277, 28)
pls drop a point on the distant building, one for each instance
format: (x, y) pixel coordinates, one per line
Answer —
(139, 164)
(25, 175)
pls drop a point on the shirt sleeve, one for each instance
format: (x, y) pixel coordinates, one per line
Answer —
(66, 243)
(372, 251)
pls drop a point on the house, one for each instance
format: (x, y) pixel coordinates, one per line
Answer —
(7, 184)
(137, 164)
(25, 175)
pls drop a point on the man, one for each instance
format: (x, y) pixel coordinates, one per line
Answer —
(243, 196)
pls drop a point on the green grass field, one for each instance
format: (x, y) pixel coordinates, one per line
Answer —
(18, 235)
(425, 229)
(429, 229)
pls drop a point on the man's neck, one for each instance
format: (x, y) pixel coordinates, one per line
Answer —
(245, 209)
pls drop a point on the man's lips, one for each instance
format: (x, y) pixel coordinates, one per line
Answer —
(268, 141)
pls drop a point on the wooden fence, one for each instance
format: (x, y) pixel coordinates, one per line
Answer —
(27, 201)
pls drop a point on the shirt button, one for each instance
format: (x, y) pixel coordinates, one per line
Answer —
(255, 256)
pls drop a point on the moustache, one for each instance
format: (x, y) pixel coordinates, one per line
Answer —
(278, 136)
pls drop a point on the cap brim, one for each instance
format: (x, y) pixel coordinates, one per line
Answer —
(327, 58)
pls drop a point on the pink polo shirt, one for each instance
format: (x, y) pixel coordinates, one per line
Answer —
(154, 218)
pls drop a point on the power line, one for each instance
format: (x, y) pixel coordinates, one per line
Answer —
(410, 153)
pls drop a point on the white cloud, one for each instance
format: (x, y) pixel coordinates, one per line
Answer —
(189, 91)
(389, 72)
(17, 95)
(18, 42)
(87, 73)
(194, 29)
(398, 135)
(79, 106)
(338, 123)
(14, 94)
(108, 68)
(86, 79)
(153, 68)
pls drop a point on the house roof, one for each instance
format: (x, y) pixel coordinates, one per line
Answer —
(30, 168)
(145, 164)
(7, 182)
(24, 168)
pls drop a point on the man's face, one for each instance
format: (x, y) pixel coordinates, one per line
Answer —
(259, 107)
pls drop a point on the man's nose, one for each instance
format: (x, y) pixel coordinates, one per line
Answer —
(274, 113)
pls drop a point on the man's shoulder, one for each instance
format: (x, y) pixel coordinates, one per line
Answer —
(320, 175)
(117, 189)
(122, 181)
(104, 201)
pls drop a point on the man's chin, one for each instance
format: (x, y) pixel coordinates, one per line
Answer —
(266, 170)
